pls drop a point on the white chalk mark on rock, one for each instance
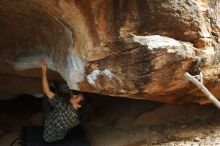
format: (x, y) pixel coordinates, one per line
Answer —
(96, 73)
(92, 77)
(74, 71)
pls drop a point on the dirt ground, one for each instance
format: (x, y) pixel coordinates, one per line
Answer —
(196, 134)
(163, 125)
(193, 134)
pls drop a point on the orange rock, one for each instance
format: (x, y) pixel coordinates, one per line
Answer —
(136, 49)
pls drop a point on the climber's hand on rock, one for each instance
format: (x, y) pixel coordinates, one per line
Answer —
(43, 64)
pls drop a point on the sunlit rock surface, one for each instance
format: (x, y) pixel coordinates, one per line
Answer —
(130, 48)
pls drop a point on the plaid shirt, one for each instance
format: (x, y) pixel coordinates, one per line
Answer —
(60, 120)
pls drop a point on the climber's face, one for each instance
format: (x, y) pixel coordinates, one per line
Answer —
(76, 101)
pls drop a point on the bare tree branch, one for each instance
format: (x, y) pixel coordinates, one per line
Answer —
(201, 77)
(200, 85)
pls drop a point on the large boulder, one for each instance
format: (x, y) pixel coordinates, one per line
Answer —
(134, 48)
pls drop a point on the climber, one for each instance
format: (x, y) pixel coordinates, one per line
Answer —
(63, 115)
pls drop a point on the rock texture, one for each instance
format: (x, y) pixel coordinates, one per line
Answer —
(134, 48)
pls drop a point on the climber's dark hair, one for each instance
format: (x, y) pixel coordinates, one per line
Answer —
(74, 92)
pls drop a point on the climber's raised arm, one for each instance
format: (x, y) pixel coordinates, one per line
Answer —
(45, 84)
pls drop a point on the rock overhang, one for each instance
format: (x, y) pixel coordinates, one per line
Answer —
(93, 47)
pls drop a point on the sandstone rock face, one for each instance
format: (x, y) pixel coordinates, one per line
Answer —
(134, 48)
